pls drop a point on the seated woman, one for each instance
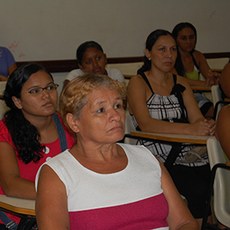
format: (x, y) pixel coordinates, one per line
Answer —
(31, 131)
(225, 80)
(222, 129)
(191, 63)
(7, 63)
(100, 184)
(162, 102)
(92, 59)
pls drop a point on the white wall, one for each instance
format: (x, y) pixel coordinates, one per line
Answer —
(52, 29)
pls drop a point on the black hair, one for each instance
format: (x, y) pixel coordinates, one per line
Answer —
(83, 47)
(150, 41)
(24, 135)
(180, 26)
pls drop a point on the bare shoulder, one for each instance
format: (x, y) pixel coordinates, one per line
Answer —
(224, 80)
(136, 80)
(48, 178)
(183, 81)
(226, 69)
(198, 55)
(47, 171)
(223, 120)
(225, 112)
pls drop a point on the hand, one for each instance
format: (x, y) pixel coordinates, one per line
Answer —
(213, 78)
(212, 126)
(203, 127)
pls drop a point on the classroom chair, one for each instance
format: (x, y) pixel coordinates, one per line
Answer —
(219, 190)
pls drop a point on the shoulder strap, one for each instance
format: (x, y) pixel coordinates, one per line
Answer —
(147, 81)
(61, 132)
(177, 90)
(174, 79)
(173, 154)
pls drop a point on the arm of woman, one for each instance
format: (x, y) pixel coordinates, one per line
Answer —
(137, 97)
(222, 129)
(198, 124)
(10, 63)
(196, 82)
(192, 82)
(225, 80)
(12, 68)
(210, 76)
(51, 201)
(11, 182)
(179, 216)
(194, 113)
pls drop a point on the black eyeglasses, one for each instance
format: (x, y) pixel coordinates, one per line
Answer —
(38, 90)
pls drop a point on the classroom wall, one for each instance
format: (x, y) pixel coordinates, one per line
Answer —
(52, 29)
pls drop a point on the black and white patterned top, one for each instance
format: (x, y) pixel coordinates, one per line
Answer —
(171, 108)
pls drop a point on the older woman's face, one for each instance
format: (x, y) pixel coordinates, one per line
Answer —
(93, 61)
(186, 40)
(102, 119)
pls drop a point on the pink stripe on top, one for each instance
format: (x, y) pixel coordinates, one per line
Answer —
(122, 216)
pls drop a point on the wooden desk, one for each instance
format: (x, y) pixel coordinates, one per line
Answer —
(171, 137)
(227, 99)
(17, 205)
(201, 88)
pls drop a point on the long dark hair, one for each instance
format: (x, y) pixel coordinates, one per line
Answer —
(180, 26)
(150, 41)
(24, 135)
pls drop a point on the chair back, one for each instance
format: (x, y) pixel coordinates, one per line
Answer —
(216, 94)
(129, 127)
(218, 99)
(217, 63)
(3, 107)
(2, 87)
(221, 186)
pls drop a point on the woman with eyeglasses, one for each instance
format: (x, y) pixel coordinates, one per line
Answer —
(191, 63)
(31, 131)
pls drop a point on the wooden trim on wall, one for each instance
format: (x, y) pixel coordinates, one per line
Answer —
(55, 66)
(217, 55)
(68, 65)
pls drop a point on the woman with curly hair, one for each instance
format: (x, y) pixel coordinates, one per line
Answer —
(99, 183)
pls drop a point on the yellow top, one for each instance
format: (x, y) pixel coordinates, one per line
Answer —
(194, 75)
